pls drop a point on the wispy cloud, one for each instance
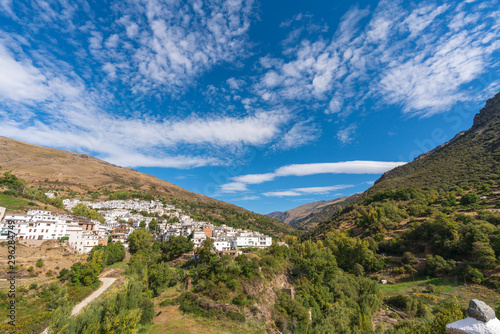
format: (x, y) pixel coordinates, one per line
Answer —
(233, 187)
(346, 167)
(423, 57)
(247, 198)
(69, 115)
(169, 44)
(346, 135)
(307, 191)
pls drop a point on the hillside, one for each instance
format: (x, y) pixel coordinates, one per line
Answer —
(456, 184)
(471, 157)
(307, 216)
(82, 176)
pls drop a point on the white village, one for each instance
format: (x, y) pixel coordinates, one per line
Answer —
(122, 217)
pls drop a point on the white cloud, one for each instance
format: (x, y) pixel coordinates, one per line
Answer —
(6, 7)
(247, 198)
(346, 135)
(69, 115)
(423, 57)
(21, 81)
(233, 187)
(422, 17)
(307, 191)
(170, 43)
(300, 134)
(345, 167)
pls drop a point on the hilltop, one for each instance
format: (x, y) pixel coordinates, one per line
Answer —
(81, 176)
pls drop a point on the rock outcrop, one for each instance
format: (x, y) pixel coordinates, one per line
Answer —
(480, 319)
(480, 311)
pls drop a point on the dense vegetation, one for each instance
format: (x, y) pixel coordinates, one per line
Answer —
(473, 157)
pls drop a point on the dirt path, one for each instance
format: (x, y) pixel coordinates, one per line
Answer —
(106, 283)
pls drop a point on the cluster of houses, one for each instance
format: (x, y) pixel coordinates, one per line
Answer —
(121, 219)
(81, 233)
(225, 237)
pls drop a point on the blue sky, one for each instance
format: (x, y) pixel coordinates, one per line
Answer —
(265, 104)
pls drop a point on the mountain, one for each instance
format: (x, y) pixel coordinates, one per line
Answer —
(432, 187)
(307, 216)
(82, 176)
(472, 156)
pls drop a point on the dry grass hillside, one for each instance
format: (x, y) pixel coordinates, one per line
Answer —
(41, 165)
(80, 175)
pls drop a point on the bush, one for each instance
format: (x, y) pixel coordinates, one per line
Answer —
(236, 316)
(469, 198)
(393, 315)
(64, 274)
(39, 263)
(30, 269)
(430, 288)
(33, 286)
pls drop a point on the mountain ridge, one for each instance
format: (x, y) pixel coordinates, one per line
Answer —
(306, 216)
(471, 160)
(479, 146)
(82, 175)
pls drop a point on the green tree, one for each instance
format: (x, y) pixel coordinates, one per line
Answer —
(175, 247)
(84, 211)
(142, 224)
(409, 258)
(159, 276)
(206, 251)
(152, 224)
(139, 239)
(484, 254)
(115, 252)
(451, 312)
(469, 198)
(436, 265)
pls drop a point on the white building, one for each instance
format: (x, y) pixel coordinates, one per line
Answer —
(80, 240)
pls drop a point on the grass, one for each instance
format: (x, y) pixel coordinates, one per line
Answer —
(445, 288)
(117, 265)
(12, 202)
(173, 321)
(442, 286)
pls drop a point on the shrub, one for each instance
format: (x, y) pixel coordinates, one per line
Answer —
(30, 269)
(430, 288)
(469, 198)
(33, 286)
(39, 263)
(393, 315)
